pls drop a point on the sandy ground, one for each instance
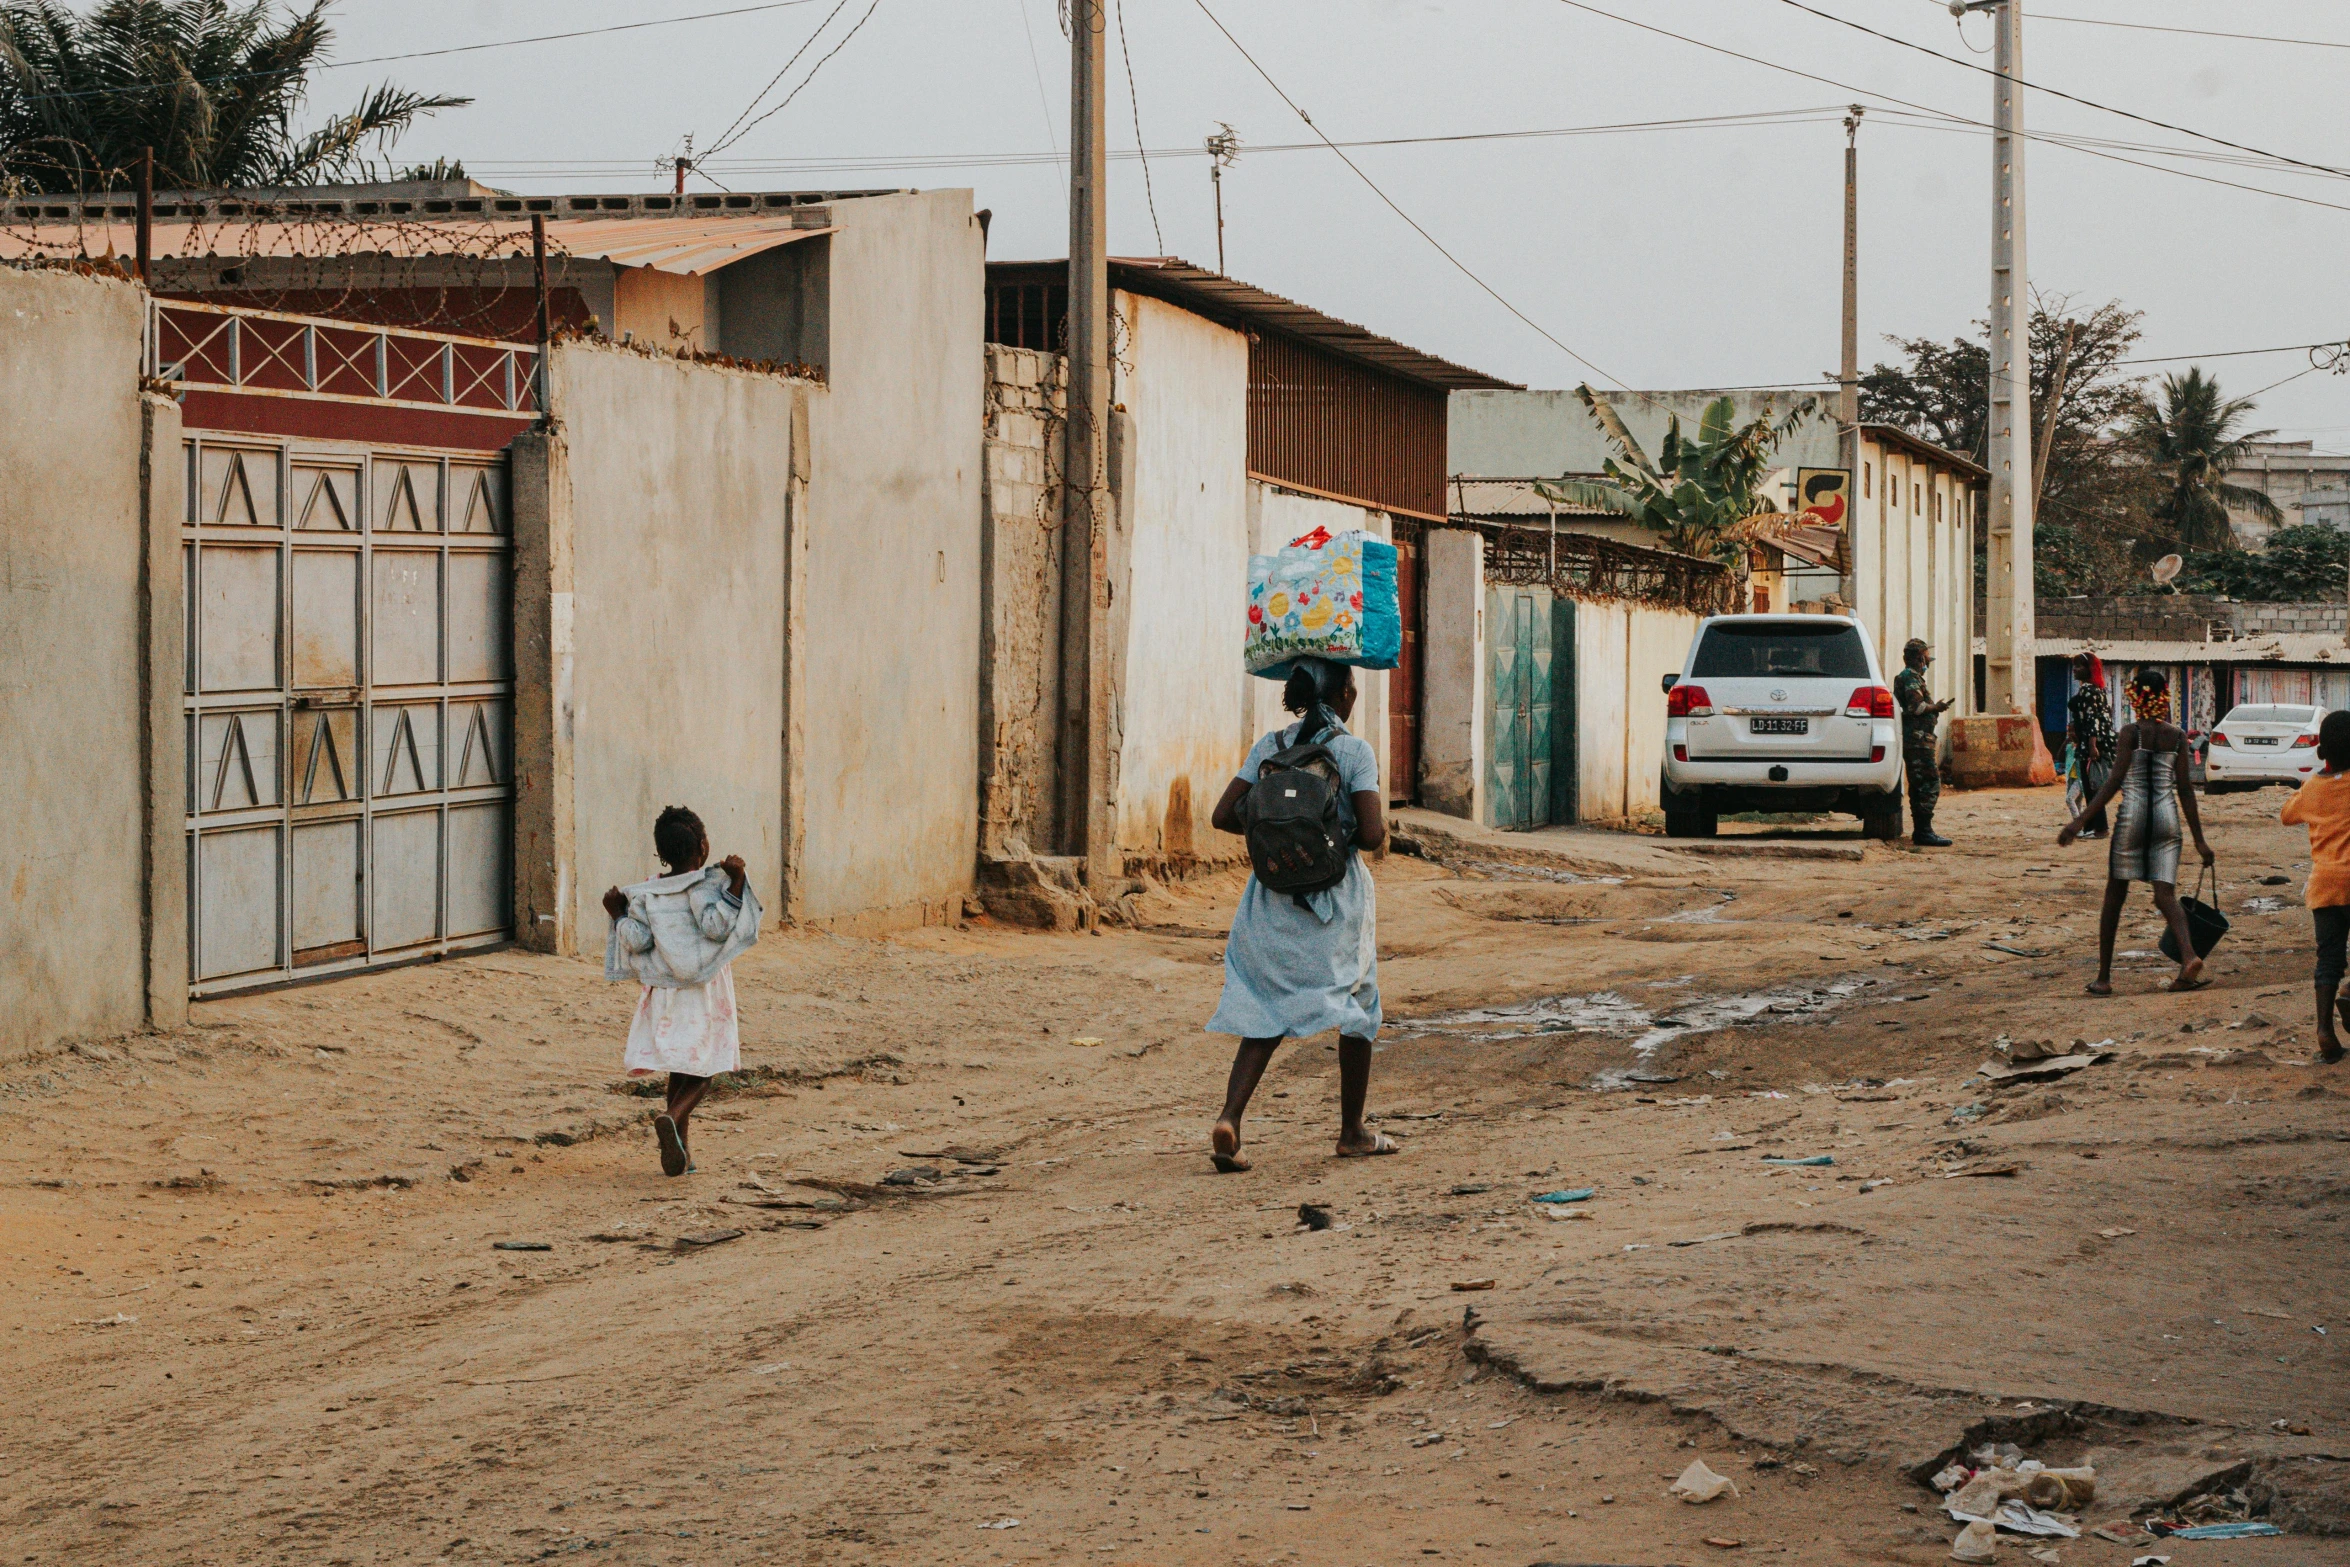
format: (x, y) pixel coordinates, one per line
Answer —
(254, 1313)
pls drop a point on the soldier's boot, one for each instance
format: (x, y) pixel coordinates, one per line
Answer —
(1925, 837)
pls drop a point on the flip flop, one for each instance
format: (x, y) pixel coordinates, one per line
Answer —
(1232, 1163)
(673, 1160)
(1381, 1143)
(2099, 988)
(2188, 984)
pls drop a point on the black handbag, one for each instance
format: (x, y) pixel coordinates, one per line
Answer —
(2205, 923)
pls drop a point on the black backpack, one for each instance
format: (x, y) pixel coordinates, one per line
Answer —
(1298, 817)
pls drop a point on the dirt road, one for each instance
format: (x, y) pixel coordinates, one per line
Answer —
(255, 1313)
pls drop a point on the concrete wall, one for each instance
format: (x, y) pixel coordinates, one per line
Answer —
(671, 504)
(892, 618)
(1913, 564)
(1524, 435)
(1452, 693)
(1184, 508)
(1622, 654)
(91, 857)
(1277, 516)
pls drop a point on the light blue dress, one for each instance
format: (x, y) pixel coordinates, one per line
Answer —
(1288, 971)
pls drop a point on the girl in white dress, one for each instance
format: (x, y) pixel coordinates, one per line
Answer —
(678, 936)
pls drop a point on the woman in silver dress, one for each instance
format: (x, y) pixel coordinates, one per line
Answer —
(2151, 775)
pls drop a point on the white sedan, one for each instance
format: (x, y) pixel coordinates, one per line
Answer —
(2262, 743)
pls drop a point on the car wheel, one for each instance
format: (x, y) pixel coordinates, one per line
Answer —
(1881, 818)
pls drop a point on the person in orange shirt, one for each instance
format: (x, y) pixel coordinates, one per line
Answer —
(2322, 804)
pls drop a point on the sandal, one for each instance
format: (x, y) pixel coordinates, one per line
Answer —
(2099, 987)
(673, 1160)
(1230, 1162)
(1381, 1143)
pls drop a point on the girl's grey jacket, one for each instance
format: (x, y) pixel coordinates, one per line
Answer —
(680, 930)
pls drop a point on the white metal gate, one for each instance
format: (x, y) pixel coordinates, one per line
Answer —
(349, 706)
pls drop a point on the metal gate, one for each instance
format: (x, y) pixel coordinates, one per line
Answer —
(1518, 724)
(349, 701)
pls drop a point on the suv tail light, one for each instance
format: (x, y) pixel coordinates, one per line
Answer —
(1869, 702)
(2302, 742)
(1688, 701)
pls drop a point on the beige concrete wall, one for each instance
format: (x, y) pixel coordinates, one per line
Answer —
(892, 620)
(1622, 653)
(1452, 672)
(94, 937)
(671, 502)
(1183, 381)
(1913, 565)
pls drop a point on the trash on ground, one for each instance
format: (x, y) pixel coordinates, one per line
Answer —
(2147, 1561)
(2002, 1489)
(2115, 1232)
(914, 1175)
(1700, 1240)
(1002, 1523)
(1569, 1194)
(521, 1246)
(1472, 1284)
(1473, 1188)
(709, 1237)
(1797, 1164)
(1699, 1485)
(2040, 1070)
(1722, 1542)
(1555, 1212)
(1977, 1542)
(1313, 1216)
(2247, 1529)
(1983, 1170)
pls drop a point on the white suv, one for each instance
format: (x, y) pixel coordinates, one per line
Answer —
(1781, 713)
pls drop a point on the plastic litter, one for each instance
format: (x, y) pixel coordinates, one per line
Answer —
(1798, 1164)
(1977, 1542)
(1571, 1194)
(1699, 1485)
(2214, 1531)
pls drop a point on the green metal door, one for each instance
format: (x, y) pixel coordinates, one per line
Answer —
(1518, 716)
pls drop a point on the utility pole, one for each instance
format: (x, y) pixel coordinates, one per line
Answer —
(1848, 378)
(1086, 824)
(2008, 628)
(684, 163)
(1223, 152)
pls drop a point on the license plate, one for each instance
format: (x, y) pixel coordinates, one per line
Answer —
(2260, 739)
(1778, 726)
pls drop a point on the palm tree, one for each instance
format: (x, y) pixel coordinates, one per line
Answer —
(1699, 491)
(212, 86)
(2191, 435)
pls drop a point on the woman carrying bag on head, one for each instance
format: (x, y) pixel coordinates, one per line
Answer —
(1303, 963)
(2151, 776)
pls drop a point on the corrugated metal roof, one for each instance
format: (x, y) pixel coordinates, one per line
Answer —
(1895, 436)
(688, 247)
(1241, 305)
(1211, 293)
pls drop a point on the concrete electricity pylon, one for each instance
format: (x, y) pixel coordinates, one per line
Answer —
(1087, 827)
(1848, 376)
(2007, 632)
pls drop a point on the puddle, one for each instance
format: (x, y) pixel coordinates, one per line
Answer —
(1711, 914)
(2264, 905)
(1650, 1029)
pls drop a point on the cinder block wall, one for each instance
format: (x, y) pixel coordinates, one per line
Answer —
(1020, 569)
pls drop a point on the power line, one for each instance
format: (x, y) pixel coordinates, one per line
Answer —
(719, 140)
(1052, 135)
(1432, 240)
(1950, 121)
(1134, 103)
(2199, 32)
(2231, 353)
(821, 63)
(416, 54)
(549, 168)
(2053, 92)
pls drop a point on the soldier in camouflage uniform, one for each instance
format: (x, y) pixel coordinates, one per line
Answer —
(1920, 754)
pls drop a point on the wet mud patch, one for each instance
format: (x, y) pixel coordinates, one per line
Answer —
(1553, 903)
(1646, 1020)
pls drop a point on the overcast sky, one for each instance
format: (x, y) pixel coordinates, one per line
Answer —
(1670, 258)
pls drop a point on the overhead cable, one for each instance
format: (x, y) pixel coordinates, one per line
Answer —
(1432, 240)
(2200, 32)
(820, 64)
(719, 140)
(2056, 92)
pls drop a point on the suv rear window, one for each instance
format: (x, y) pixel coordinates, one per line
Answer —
(1781, 647)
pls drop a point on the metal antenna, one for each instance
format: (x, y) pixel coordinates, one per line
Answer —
(1223, 150)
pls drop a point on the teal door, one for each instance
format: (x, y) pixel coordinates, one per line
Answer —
(1519, 695)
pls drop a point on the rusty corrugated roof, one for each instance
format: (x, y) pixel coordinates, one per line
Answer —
(688, 247)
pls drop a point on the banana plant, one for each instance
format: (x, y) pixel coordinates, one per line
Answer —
(1700, 491)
